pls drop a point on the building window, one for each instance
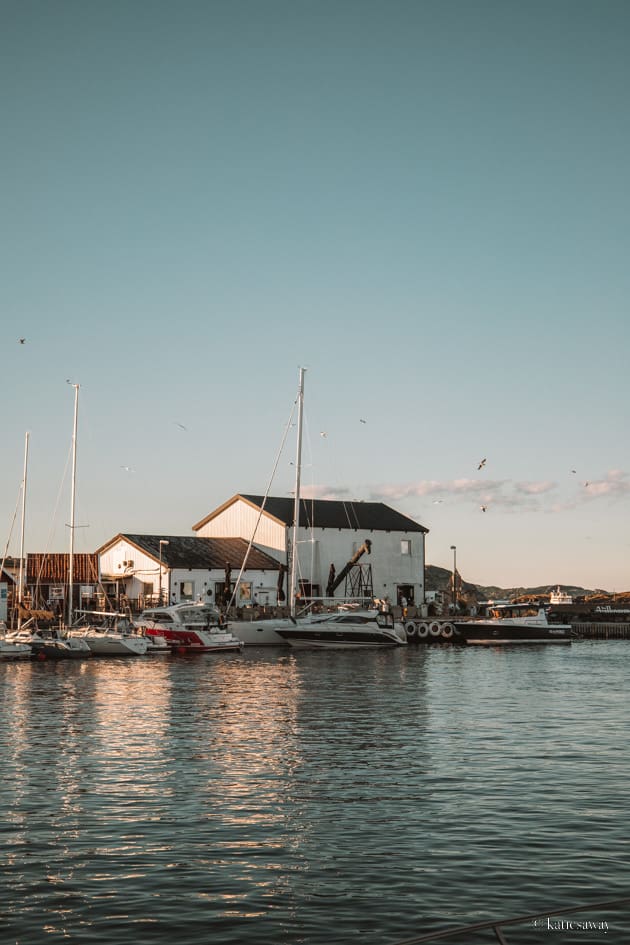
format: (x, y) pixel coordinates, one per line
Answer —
(186, 590)
(405, 546)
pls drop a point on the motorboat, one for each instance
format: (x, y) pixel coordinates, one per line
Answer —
(512, 624)
(188, 627)
(109, 634)
(346, 629)
(47, 643)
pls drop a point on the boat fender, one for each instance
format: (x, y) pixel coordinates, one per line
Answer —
(447, 631)
(411, 630)
(423, 631)
(435, 628)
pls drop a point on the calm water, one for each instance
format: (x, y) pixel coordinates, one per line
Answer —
(284, 797)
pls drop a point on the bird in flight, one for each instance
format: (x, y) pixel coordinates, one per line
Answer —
(481, 464)
(587, 484)
(362, 421)
(437, 501)
(128, 468)
(483, 507)
(180, 425)
(323, 433)
(22, 341)
(574, 471)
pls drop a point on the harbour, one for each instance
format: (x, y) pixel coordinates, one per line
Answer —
(279, 796)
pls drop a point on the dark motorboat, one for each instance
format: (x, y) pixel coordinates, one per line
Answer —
(512, 624)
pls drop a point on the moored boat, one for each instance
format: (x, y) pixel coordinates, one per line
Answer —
(10, 651)
(109, 634)
(356, 629)
(512, 624)
(49, 644)
(194, 628)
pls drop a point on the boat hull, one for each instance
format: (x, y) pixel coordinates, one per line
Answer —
(333, 641)
(259, 632)
(10, 652)
(489, 634)
(116, 645)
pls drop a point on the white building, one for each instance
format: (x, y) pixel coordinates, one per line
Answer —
(147, 568)
(331, 533)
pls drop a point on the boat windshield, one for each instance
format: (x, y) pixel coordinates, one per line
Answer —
(197, 614)
(384, 619)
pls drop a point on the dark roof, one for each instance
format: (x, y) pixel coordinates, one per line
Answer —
(198, 553)
(335, 513)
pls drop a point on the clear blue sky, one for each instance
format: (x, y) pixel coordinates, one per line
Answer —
(424, 203)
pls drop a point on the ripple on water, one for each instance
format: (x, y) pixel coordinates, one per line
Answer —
(276, 797)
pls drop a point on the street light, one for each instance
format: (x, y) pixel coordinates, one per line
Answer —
(454, 550)
(163, 541)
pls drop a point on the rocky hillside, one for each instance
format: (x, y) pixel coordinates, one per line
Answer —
(440, 579)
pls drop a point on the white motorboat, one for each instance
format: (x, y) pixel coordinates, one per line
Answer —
(347, 629)
(109, 634)
(512, 624)
(188, 627)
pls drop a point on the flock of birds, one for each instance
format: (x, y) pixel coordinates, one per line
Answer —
(323, 433)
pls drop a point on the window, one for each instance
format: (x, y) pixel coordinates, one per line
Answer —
(405, 546)
(186, 590)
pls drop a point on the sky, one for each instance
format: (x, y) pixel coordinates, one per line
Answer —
(424, 204)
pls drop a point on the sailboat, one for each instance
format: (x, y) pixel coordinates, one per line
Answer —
(365, 627)
(11, 649)
(52, 642)
(264, 632)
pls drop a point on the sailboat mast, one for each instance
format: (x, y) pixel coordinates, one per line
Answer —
(296, 503)
(21, 577)
(72, 503)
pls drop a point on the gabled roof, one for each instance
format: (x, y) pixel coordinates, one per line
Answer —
(198, 553)
(327, 513)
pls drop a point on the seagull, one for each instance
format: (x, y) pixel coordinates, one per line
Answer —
(437, 501)
(362, 421)
(180, 425)
(481, 464)
(574, 470)
(587, 484)
(323, 433)
(22, 341)
(128, 468)
(483, 507)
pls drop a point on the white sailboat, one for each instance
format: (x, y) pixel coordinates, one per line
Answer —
(263, 632)
(54, 642)
(357, 628)
(13, 649)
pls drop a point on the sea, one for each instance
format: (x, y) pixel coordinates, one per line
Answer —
(298, 797)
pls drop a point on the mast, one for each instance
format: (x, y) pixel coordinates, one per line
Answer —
(21, 578)
(296, 503)
(72, 503)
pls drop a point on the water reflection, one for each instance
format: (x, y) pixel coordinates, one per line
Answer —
(314, 797)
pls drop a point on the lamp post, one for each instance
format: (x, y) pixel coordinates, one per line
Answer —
(163, 541)
(454, 550)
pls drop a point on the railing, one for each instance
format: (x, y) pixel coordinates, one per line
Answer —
(541, 921)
